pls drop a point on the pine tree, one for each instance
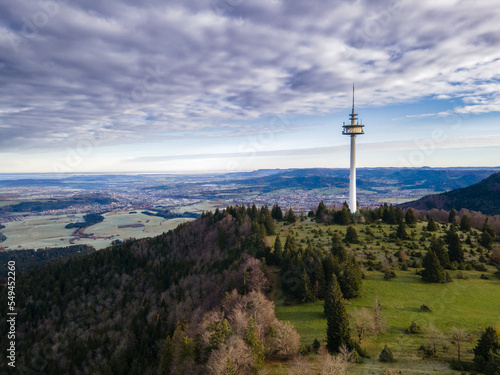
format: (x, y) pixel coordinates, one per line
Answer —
(431, 224)
(290, 216)
(401, 231)
(337, 331)
(166, 357)
(290, 246)
(342, 217)
(267, 220)
(351, 235)
(306, 288)
(398, 215)
(433, 272)
(331, 266)
(276, 213)
(389, 214)
(230, 370)
(452, 216)
(277, 254)
(486, 240)
(251, 337)
(465, 224)
(321, 212)
(320, 282)
(410, 217)
(351, 279)
(455, 251)
(338, 248)
(488, 344)
(487, 227)
(438, 246)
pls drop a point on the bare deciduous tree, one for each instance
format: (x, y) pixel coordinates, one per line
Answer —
(364, 321)
(379, 320)
(300, 366)
(459, 336)
(434, 335)
(284, 342)
(334, 365)
(237, 352)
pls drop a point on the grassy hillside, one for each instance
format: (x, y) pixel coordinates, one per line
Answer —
(469, 302)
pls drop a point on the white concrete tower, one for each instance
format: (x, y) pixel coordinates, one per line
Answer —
(353, 129)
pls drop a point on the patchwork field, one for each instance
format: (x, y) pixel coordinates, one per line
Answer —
(123, 224)
(48, 231)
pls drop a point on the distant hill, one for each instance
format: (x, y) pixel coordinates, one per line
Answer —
(369, 179)
(483, 196)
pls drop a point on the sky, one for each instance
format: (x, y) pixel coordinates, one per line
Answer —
(205, 86)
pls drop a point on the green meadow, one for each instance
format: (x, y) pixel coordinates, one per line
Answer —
(469, 302)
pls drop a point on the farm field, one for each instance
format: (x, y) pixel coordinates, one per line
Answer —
(121, 225)
(38, 232)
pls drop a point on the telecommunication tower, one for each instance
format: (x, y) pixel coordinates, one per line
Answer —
(353, 129)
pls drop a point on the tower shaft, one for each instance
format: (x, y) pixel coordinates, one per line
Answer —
(352, 176)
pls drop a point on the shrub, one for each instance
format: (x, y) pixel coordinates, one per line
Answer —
(389, 274)
(425, 308)
(414, 328)
(386, 355)
(316, 345)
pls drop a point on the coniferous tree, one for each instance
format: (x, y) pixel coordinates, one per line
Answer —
(487, 352)
(389, 214)
(455, 250)
(306, 288)
(401, 231)
(337, 331)
(351, 235)
(398, 215)
(338, 248)
(342, 217)
(452, 216)
(438, 246)
(290, 246)
(331, 266)
(433, 272)
(487, 227)
(276, 213)
(321, 282)
(486, 240)
(251, 337)
(321, 212)
(290, 216)
(253, 212)
(410, 217)
(431, 224)
(277, 254)
(465, 224)
(267, 220)
(166, 357)
(350, 281)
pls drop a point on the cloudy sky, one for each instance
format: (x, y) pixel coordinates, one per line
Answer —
(235, 85)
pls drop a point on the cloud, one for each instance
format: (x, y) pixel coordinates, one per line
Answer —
(125, 72)
(403, 145)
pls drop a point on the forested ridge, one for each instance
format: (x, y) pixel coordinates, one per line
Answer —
(110, 311)
(483, 197)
